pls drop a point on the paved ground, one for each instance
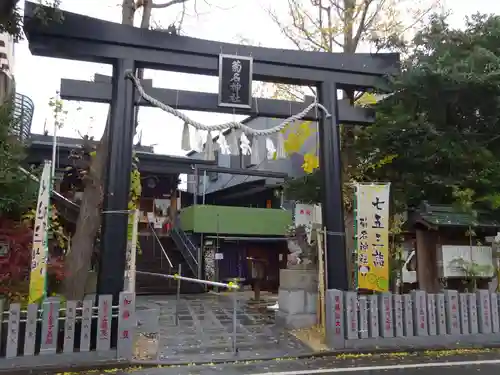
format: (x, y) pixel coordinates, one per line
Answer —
(204, 331)
(458, 362)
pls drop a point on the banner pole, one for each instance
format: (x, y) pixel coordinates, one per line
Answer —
(356, 253)
(321, 281)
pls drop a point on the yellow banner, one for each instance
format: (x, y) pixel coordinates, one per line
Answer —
(38, 274)
(372, 236)
(40, 250)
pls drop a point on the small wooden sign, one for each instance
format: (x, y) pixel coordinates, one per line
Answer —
(235, 81)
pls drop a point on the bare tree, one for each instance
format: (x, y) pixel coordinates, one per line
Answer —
(89, 219)
(344, 26)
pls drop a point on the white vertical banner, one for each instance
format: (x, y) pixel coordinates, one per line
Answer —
(304, 214)
(317, 215)
(40, 249)
(131, 254)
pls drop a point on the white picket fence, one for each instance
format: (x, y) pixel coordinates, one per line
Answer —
(78, 327)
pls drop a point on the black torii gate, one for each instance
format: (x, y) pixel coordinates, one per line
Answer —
(99, 91)
(126, 48)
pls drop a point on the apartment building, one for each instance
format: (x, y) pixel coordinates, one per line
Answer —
(222, 186)
(7, 82)
(23, 107)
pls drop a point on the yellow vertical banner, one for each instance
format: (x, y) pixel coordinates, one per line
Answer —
(372, 236)
(40, 249)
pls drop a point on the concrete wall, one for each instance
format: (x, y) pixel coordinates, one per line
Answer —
(412, 320)
(292, 165)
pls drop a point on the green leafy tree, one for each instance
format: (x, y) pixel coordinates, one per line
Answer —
(17, 191)
(441, 124)
(343, 26)
(11, 20)
(436, 137)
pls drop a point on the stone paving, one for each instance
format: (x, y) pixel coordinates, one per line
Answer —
(205, 326)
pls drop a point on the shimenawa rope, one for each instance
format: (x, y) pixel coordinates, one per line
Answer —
(228, 125)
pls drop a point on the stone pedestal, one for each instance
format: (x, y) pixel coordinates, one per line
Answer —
(420, 321)
(298, 296)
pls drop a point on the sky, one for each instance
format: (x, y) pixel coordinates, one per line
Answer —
(218, 20)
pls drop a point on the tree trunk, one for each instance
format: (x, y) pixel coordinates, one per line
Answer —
(78, 260)
(147, 7)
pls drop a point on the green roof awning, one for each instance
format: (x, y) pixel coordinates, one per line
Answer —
(448, 216)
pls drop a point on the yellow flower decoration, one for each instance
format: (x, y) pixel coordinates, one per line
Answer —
(292, 143)
(366, 99)
(304, 130)
(311, 162)
(296, 135)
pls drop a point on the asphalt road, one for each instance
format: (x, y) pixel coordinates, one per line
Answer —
(440, 368)
(452, 362)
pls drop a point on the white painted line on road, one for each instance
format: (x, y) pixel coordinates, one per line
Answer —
(386, 367)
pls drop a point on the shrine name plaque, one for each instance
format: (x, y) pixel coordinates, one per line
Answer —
(235, 81)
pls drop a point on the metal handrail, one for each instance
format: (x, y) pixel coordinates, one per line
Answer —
(23, 109)
(161, 246)
(179, 229)
(36, 179)
(186, 243)
(230, 286)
